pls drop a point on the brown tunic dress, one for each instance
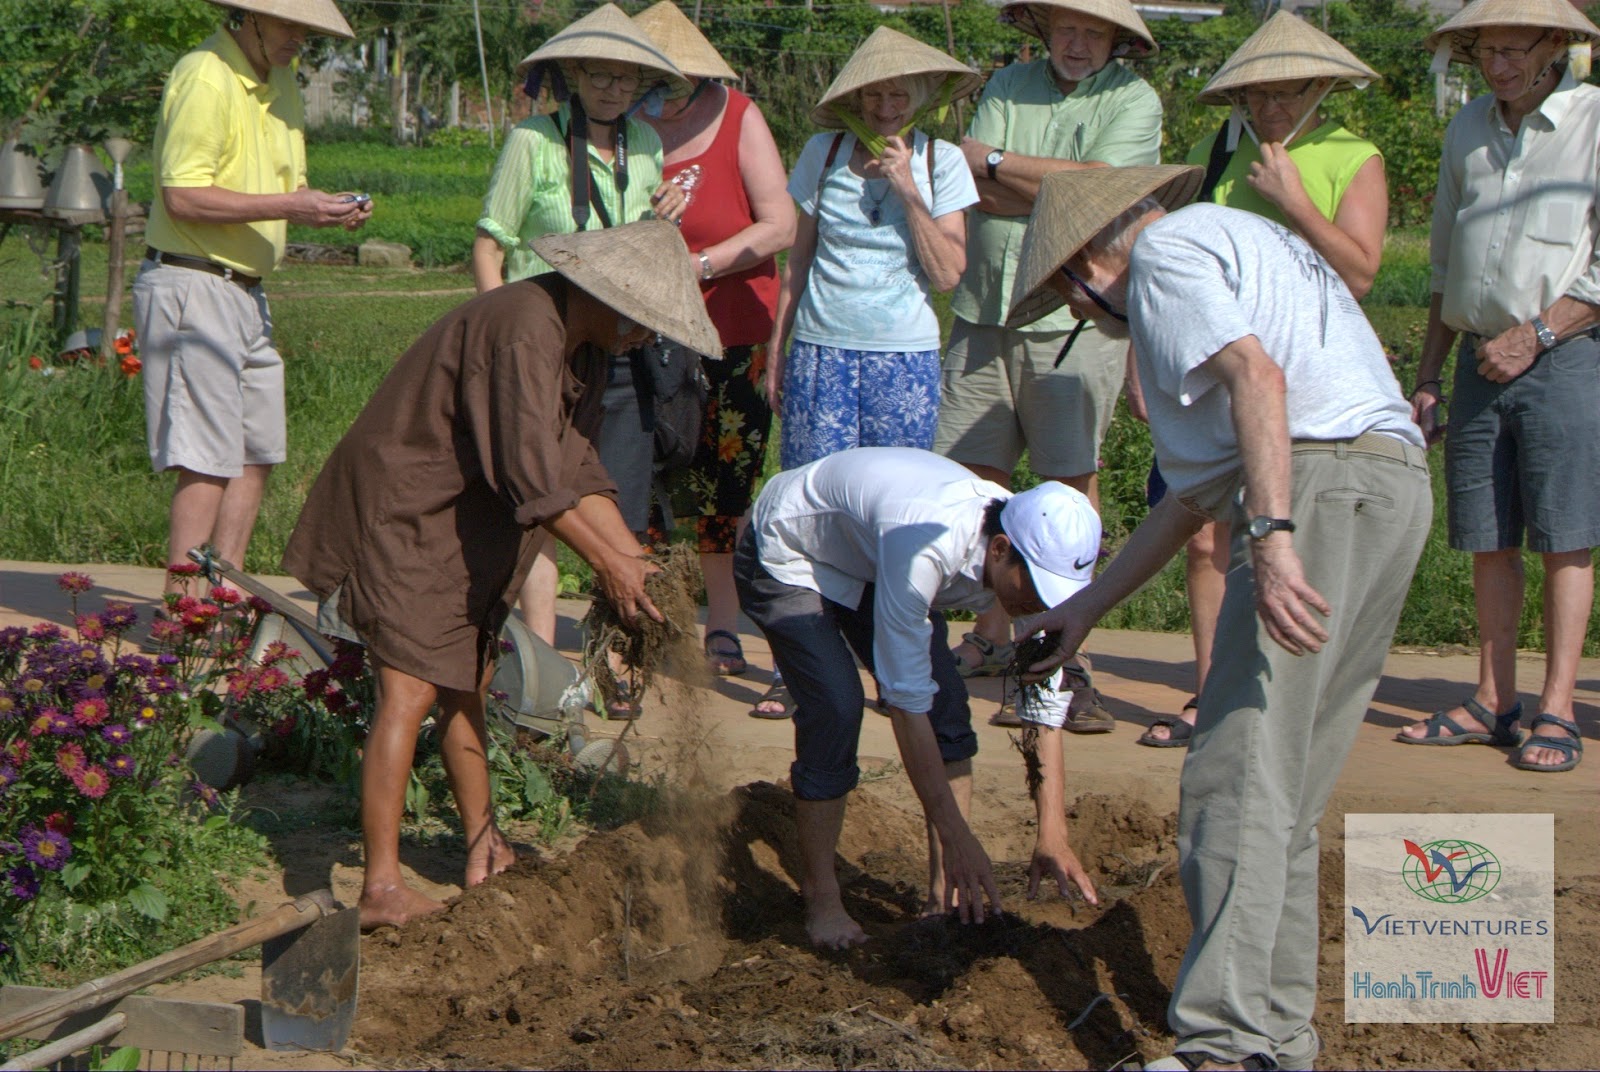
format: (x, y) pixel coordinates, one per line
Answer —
(423, 518)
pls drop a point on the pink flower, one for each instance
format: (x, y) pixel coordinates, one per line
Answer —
(276, 652)
(70, 760)
(182, 570)
(90, 711)
(92, 781)
(225, 596)
(90, 627)
(75, 582)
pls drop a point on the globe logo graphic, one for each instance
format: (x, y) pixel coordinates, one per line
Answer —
(1450, 871)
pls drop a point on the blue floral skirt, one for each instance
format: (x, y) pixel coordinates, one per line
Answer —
(835, 399)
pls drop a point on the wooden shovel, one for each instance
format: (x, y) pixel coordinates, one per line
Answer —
(301, 912)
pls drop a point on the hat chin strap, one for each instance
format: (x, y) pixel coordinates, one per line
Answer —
(1240, 120)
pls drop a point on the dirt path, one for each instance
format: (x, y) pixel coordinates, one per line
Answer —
(677, 943)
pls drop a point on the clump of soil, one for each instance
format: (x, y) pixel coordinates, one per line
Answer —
(649, 648)
(678, 943)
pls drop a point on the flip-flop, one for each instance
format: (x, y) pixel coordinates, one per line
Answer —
(1178, 734)
(1570, 746)
(779, 694)
(720, 660)
(1442, 730)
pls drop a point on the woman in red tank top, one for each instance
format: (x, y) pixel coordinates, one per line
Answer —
(717, 146)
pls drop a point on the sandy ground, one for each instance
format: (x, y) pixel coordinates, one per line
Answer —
(682, 1017)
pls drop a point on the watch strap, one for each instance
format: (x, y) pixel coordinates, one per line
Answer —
(1272, 524)
(992, 162)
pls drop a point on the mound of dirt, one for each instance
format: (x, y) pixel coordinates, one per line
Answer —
(677, 943)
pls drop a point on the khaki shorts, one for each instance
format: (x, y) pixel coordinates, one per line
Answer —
(1002, 394)
(213, 382)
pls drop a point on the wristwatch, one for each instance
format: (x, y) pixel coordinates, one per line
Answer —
(1261, 527)
(1546, 337)
(993, 161)
(705, 266)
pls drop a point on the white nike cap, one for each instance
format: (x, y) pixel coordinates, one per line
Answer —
(1056, 530)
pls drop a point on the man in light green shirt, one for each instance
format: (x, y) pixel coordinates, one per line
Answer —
(1004, 390)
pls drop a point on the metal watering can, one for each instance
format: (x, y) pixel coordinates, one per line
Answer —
(19, 178)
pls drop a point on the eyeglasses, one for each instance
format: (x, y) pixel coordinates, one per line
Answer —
(1479, 53)
(1281, 97)
(1094, 295)
(605, 79)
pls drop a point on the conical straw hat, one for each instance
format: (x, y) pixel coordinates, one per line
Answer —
(682, 42)
(1031, 16)
(642, 270)
(1073, 207)
(320, 15)
(1542, 14)
(606, 33)
(887, 54)
(1287, 48)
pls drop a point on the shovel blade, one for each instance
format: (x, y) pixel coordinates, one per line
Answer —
(308, 984)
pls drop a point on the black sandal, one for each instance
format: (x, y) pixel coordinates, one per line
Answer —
(779, 694)
(721, 660)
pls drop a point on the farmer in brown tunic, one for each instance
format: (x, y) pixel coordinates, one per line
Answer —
(419, 531)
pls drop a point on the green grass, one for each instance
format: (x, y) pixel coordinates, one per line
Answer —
(76, 485)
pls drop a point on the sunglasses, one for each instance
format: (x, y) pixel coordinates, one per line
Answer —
(1094, 295)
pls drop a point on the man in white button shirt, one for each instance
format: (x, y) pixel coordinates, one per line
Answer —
(856, 556)
(1271, 405)
(1516, 273)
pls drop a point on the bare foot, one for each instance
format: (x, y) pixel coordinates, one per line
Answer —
(830, 926)
(394, 906)
(494, 857)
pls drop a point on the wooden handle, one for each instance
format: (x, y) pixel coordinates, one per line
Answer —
(65, 1047)
(300, 912)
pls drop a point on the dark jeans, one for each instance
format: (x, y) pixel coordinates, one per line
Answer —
(812, 640)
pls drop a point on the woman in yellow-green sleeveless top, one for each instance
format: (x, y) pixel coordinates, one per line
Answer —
(1280, 159)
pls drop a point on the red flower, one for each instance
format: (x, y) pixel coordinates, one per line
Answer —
(276, 652)
(34, 363)
(227, 597)
(61, 822)
(131, 366)
(75, 582)
(183, 569)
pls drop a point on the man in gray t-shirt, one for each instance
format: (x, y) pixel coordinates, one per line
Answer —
(1271, 405)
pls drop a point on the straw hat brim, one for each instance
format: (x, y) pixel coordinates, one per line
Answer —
(1119, 13)
(643, 271)
(606, 33)
(1538, 14)
(1073, 207)
(682, 42)
(886, 54)
(1287, 48)
(323, 16)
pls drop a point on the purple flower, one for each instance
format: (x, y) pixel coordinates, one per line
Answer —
(12, 638)
(45, 848)
(208, 796)
(121, 766)
(61, 724)
(24, 883)
(46, 631)
(119, 617)
(8, 776)
(116, 733)
(75, 582)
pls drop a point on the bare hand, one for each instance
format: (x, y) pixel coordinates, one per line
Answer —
(977, 155)
(1059, 620)
(775, 358)
(1053, 858)
(621, 578)
(1509, 354)
(1275, 176)
(363, 211)
(968, 877)
(1425, 413)
(895, 165)
(669, 202)
(314, 208)
(1283, 596)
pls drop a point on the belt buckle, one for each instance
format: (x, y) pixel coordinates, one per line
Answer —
(227, 273)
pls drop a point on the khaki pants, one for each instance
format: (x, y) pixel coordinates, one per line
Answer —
(1274, 730)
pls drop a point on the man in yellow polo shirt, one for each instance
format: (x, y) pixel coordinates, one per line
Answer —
(231, 175)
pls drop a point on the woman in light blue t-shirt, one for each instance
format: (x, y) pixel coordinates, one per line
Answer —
(879, 231)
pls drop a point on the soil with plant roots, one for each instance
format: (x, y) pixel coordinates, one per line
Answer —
(676, 942)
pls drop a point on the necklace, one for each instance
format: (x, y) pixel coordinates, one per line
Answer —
(875, 213)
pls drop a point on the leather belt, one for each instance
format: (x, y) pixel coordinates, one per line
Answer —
(1373, 443)
(200, 264)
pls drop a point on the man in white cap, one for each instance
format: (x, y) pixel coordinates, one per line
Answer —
(425, 520)
(1272, 405)
(1516, 274)
(230, 172)
(1005, 390)
(856, 556)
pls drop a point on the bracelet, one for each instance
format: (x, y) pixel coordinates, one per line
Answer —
(1426, 383)
(705, 267)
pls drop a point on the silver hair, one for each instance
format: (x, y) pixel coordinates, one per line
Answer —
(1116, 238)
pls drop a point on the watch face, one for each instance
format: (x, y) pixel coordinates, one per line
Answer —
(994, 157)
(1260, 527)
